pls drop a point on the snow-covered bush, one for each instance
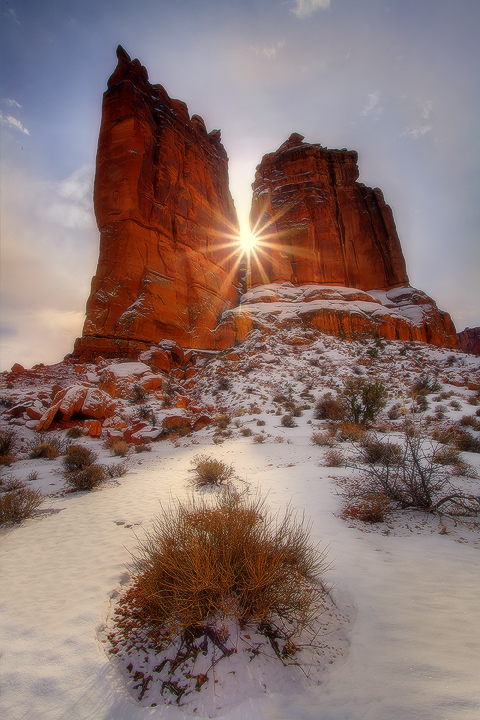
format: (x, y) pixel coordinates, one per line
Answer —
(201, 565)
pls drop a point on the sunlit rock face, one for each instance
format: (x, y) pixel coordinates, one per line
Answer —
(321, 225)
(163, 208)
(317, 225)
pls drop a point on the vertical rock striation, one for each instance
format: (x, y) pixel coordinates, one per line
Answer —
(321, 225)
(163, 207)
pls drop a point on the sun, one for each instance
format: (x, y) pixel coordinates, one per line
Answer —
(247, 240)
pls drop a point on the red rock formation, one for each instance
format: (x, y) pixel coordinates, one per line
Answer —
(166, 273)
(163, 208)
(320, 225)
(469, 340)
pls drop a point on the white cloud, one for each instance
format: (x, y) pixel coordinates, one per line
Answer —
(426, 109)
(416, 131)
(304, 8)
(12, 122)
(268, 51)
(373, 107)
(71, 204)
(12, 103)
(10, 13)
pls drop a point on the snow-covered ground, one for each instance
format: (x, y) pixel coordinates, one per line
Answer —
(405, 639)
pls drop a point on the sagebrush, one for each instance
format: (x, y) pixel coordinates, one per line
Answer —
(233, 560)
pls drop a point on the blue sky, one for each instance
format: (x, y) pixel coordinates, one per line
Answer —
(396, 80)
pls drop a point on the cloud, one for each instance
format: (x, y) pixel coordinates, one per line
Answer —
(268, 51)
(12, 122)
(71, 200)
(417, 131)
(49, 251)
(12, 103)
(10, 13)
(373, 108)
(304, 8)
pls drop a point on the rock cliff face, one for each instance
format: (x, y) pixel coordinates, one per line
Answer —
(163, 207)
(469, 340)
(322, 226)
(329, 254)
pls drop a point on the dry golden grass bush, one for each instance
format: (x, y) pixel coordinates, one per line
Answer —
(78, 457)
(119, 448)
(202, 564)
(350, 432)
(86, 479)
(81, 472)
(210, 471)
(334, 458)
(44, 450)
(372, 508)
(324, 438)
(19, 504)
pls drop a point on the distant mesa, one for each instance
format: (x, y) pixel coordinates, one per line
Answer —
(170, 266)
(469, 340)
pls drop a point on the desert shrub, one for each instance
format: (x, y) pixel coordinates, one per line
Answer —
(420, 404)
(12, 483)
(74, 433)
(32, 476)
(455, 405)
(261, 423)
(7, 458)
(334, 458)
(8, 442)
(425, 385)
(138, 395)
(372, 508)
(470, 421)
(143, 447)
(466, 442)
(362, 399)
(119, 448)
(210, 471)
(395, 412)
(223, 421)
(350, 432)
(373, 451)
(146, 413)
(328, 408)
(19, 504)
(87, 478)
(223, 384)
(288, 421)
(259, 438)
(44, 450)
(49, 445)
(116, 470)
(447, 455)
(78, 457)
(323, 439)
(413, 477)
(201, 565)
(246, 431)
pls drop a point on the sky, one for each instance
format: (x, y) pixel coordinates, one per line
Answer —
(396, 80)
